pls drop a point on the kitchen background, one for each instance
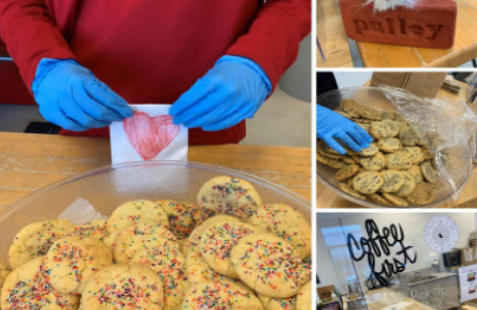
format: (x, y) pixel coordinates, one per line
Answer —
(427, 281)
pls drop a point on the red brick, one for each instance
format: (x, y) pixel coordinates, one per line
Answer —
(430, 23)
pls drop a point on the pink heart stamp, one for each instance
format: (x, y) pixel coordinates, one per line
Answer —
(150, 135)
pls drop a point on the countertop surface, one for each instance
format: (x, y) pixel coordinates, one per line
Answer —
(29, 162)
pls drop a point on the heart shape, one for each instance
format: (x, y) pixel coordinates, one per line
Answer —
(148, 135)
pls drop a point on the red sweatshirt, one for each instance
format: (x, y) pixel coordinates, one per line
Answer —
(152, 51)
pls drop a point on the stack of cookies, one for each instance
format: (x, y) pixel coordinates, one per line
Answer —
(228, 251)
(395, 170)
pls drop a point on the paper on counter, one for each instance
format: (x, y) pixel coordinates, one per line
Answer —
(468, 255)
(148, 135)
(81, 212)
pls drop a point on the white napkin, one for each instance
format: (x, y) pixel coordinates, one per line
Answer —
(148, 135)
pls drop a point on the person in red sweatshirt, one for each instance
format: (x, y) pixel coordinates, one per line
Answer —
(216, 61)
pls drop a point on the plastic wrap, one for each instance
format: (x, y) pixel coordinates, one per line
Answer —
(446, 129)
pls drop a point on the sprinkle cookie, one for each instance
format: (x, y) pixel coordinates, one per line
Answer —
(199, 271)
(303, 298)
(72, 261)
(35, 239)
(95, 229)
(193, 242)
(133, 212)
(27, 287)
(218, 240)
(269, 265)
(229, 196)
(273, 303)
(287, 223)
(209, 295)
(123, 287)
(182, 217)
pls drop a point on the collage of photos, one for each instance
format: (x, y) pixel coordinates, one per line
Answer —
(396, 151)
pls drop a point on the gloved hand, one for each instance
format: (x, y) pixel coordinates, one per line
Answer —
(234, 89)
(331, 126)
(70, 96)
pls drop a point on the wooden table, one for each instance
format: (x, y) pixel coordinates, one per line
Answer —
(384, 55)
(332, 36)
(29, 162)
(467, 198)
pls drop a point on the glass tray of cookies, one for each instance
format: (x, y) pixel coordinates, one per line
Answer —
(172, 235)
(399, 169)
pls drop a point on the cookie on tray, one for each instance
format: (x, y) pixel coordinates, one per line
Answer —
(226, 295)
(35, 239)
(123, 287)
(303, 298)
(287, 223)
(134, 212)
(94, 229)
(229, 196)
(27, 287)
(428, 172)
(193, 241)
(4, 271)
(218, 240)
(393, 180)
(270, 265)
(182, 217)
(273, 303)
(72, 261)
(423, 194)
(367, 182)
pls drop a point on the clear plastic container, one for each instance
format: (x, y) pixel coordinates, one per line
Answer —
(460, 165)
(106, 188)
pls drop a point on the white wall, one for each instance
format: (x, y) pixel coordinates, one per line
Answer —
(413, 225)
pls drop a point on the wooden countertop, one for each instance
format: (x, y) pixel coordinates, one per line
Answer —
(29, 162)
(467, 198)
(385, 297)
(330, 27)
(331, 34)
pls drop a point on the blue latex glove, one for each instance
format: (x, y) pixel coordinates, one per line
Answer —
(70, 96)
(234, 89)
(331, 126)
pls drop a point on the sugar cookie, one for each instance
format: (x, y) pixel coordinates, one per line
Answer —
(287, 223)
(35, 239)
(269, 265)
(72, 261)
(133, 212)
(210, 295)
(27, 287)
(303, 298)
(230, 196)
(193, 242)
(123, 287)
(218, 240)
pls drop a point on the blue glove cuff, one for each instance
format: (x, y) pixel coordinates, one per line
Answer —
(252, 65)
(44, 67)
